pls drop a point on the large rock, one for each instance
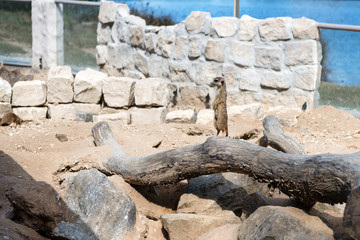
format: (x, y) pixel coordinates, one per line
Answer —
(151, 92)
(191, 226)
(198, 22)
(225, 26)
(29, 93)
(231, 231)
(12, 230)
(38, 206)
(107, 211)
(218, 194)
(180, 116)
(286, 223)
(5, 91)
(72, 111)
(276, 80)
(31, 113)
(60, 83)
(249, 80)
(118, 91)
(143, 116)
(87, 86)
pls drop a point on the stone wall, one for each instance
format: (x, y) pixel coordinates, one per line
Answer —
(275, 61)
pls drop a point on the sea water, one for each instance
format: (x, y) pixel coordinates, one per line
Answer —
(341, 49)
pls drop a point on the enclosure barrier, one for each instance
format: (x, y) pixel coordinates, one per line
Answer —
(52, 53)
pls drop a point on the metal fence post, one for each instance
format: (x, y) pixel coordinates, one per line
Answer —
(236, 8)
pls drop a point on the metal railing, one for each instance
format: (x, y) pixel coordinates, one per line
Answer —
(21, 62)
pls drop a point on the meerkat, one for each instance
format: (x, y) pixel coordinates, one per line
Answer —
(10, 118)
(219, 106)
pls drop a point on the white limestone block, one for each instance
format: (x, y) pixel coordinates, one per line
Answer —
(225, 26)
(215, 50)
(70, 111)
(275, 29)
(269, 57)
(101, 54)
(29, 93)
(166, 42)
(123, 117)
(193, 95)
(242, 53)
(148, 116)
(301, 53)
(306, 77)
(205, 117)
(180, 116)
(108, 10)
(60, 83)
(31, 113)
(253, 111)
(181, 48)
(249, 80)
(4, 108)
(208, 71)
(248, 28)
(276, 80)
(5, 91)
(304, 28)
(118, 91)
(87, 86)
(103, 33)
(198, 22)
(150, 41)
(136, 35)
(194, 47)
(141, 61)
(151, 92)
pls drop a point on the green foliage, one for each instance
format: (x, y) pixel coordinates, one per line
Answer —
(339, 96)
(15, 6)
(150, 17)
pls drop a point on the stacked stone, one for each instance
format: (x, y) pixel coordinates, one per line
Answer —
(87, 97)
(275, 62)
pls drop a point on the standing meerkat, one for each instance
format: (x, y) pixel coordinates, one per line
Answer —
(219, 106)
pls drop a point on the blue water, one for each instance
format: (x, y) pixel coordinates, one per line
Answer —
(341, 63)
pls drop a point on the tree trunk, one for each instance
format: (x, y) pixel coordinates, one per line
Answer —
(327, 178)
(275, 137)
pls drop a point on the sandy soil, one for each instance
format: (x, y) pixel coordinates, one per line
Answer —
(32, 150)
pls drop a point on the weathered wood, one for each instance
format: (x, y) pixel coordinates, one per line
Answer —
(351, 220)
(327, 178)
(275, 137)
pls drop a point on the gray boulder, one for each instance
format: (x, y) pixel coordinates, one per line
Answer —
(213, 194)
(283, 223)
(108, 212)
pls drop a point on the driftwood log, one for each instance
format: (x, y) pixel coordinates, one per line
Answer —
(327, 178)
(275, 137)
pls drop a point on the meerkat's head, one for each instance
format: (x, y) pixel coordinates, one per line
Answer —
(218, 82)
